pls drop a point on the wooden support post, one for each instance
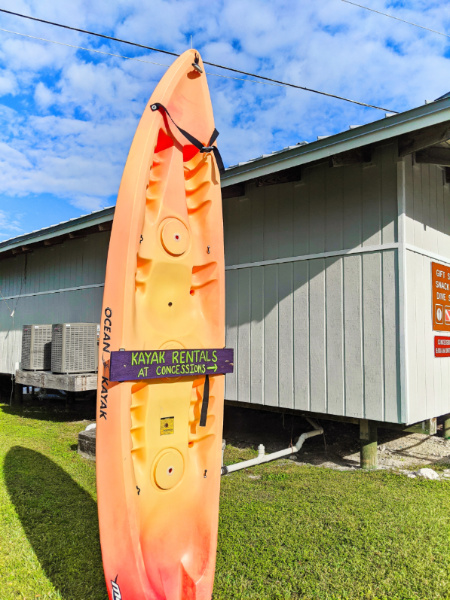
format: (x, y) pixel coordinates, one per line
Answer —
(368, 441)
(18, 394)
(447, 427)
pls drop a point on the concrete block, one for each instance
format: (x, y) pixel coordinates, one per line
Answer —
(86, 444)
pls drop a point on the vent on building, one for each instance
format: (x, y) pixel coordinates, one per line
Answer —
(36, 347)
(74, 348)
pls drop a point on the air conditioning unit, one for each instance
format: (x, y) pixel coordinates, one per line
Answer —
(74, 348)
(36, 347)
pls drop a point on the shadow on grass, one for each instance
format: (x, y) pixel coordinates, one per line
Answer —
(60, 521)
(52, 408)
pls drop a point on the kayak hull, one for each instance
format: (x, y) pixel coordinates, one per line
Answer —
(158, 468)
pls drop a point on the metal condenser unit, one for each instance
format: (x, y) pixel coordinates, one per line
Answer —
(74, 348)
(36, 347)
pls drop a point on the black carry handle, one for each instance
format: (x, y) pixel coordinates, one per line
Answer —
(194, 141)
(205, 403)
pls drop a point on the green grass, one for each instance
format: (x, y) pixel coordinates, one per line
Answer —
(293, 533)
(49, 546)
(305, 532)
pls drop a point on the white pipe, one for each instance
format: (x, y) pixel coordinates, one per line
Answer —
(263, 458)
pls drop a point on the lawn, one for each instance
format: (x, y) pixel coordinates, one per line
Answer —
(286, 532)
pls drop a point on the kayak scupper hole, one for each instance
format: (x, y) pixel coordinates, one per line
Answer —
(170, 303)
(192, 292)
(170, 471)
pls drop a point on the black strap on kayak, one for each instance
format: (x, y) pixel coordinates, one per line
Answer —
(194, 141)
(205, 402)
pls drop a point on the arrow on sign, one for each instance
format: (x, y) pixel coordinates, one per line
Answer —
(214, 368)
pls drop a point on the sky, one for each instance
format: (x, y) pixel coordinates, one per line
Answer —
(68, 116)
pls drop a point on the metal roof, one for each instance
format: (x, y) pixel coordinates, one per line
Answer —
(392, 125)
(65, 227)
(377, 131)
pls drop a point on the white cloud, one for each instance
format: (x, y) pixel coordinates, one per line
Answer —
(8, 83)
(10, 223)
(89, 203)
(74, 114)
(43, 96)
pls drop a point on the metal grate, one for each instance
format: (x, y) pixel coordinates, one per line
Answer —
(74, 347)
(36, 347)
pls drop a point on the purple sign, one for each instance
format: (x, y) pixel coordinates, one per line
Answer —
(131, 365)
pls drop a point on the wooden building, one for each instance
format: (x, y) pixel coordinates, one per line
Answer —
(328, 248)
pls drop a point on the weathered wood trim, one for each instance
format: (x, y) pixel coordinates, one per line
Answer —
(233, 191)
(58, 291)
(70, 382)
(402, 298)
(352, 157)
(435, 155)
(331, 254)
(285, 176)
(427, 253)
(423, 138)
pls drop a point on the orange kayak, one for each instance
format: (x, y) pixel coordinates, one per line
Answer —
(159, 422)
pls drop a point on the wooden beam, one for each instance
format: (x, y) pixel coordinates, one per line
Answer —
(72, 382)
(423, 138)
(352, 157)
(53, 241)
(286, 176)
(233, 191)
(435, 155)
(21, 250)
(105, 226)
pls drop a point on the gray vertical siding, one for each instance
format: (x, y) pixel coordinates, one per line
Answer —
(313, 290)
(427, 208)
(317, 333)
(427, 222)
(32, 290)
(428, 377)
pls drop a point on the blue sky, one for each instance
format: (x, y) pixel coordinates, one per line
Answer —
(67, 116)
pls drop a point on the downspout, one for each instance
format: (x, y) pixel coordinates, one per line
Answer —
(263, 457)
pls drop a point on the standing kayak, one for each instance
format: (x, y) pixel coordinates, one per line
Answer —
(162, 357)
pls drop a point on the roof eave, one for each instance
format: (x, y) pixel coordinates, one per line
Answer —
(377, 131)
(72, 226)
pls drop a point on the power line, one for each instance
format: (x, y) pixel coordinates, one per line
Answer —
(149, 62)
(396, 18)
(40, 39)
(262, 77)
(101, 35)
